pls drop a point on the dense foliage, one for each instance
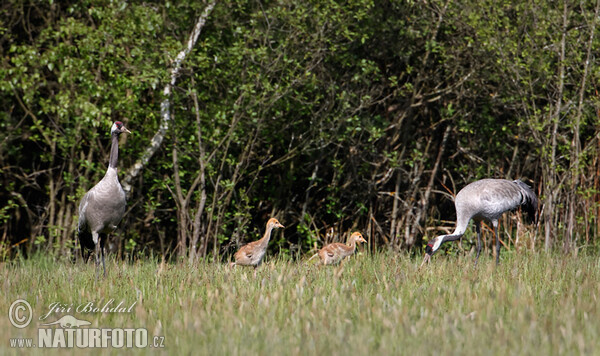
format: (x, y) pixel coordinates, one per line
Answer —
(333, 117)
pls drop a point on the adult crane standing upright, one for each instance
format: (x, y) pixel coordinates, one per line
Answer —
(486, 199)
(102, 207)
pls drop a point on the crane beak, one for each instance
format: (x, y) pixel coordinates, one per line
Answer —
(124, 129)
(426, 259)
(281, 226)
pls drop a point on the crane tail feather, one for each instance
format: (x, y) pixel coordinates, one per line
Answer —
(530, 201)
(86, 243)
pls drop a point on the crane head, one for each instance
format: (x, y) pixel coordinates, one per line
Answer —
(430, 249)
(358, 237)
(118, 128)
(428, 253)
(274, 223)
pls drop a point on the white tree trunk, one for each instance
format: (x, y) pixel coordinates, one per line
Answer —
(165, 106)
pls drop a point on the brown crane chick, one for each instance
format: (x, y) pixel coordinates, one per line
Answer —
(336, 252)
(252, 253)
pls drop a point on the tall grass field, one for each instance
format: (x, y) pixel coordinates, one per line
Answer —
(381, 303)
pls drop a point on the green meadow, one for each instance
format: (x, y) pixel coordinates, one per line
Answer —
(380, 303)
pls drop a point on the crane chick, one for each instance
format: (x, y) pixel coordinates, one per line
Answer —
(253, 253)
(334, 253)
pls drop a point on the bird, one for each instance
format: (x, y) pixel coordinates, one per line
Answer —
(252, 253)
(102, 207)
(334, 253)
(486, 199)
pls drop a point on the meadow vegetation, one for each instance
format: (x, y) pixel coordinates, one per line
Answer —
(374, 303)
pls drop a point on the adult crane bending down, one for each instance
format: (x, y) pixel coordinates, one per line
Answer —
(486, 199)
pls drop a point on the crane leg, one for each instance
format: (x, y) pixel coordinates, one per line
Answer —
(103, 239)
(478, 228)
(97, 250)
(495, 223)
(103, 266)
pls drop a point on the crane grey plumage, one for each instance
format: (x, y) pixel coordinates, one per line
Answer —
(486, 199)
(102, 207)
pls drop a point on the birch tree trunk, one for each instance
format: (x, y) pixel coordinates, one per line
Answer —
(165, 106)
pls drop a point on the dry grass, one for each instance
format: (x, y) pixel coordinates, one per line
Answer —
(530, 304)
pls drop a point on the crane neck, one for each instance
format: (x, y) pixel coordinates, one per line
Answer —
(267, 236)
(452, 237)
(462, 222)
(352, 244)
(114, 151)
(461, 226)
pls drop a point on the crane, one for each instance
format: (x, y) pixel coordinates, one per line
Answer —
(252, 253)
(486, 199)
(102, 207)
(335, 252)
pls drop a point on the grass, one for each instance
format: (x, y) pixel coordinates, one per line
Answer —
(381, 303)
